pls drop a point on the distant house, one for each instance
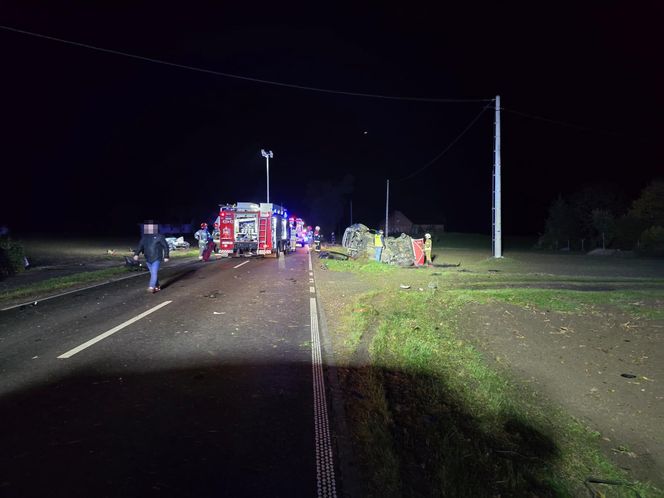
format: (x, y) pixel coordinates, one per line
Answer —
(398, 223)
(181, 229)
(421, 229)
(173, 228)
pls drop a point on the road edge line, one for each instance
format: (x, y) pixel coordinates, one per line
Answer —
(346, 462)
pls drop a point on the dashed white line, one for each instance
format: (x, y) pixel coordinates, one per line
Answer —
(312, 290)
(100, 337)
(241, 264)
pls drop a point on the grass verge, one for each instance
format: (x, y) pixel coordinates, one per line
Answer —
(60, 283)
(431, 418)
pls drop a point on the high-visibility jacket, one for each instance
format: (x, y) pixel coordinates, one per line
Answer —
(427, 245)
(378, 240)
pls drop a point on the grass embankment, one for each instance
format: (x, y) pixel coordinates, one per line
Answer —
(431, 417)
(62, 283)
(78, 279)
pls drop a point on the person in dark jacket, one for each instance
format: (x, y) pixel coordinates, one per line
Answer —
(154, 246)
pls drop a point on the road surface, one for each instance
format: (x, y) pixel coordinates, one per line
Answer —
(212, 387)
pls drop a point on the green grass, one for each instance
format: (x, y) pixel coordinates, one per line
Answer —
(434, 412)
(635, 303)
(184, 254)
(362, 266)
(59, 283)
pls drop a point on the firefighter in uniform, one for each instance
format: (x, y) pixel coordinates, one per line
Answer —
(202, 236)
(317, 239)
(216, 238)
(378, 243)
(293, 235)
(427, 249)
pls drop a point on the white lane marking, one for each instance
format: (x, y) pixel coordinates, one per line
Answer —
(326, 482)
(310, 269)
(311, 280)
(312, 289)
(81, 289)
(237, 266)
(311, 274)
(100, 337)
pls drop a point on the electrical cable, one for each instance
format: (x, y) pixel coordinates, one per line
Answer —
(570, 125)
(432, 161)
(239, 76)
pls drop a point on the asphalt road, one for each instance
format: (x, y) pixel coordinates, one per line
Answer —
(204, 389)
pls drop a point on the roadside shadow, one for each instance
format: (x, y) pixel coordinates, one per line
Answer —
(246, 428)
(176, 276)
(411, 438)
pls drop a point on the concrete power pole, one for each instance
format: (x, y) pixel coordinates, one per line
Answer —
(387, 209)
(497, 245)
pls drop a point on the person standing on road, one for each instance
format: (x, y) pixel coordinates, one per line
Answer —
(155, 248)
(202, 236)
(216, 238)
(427, 249)
(378, 244)
(317, 239)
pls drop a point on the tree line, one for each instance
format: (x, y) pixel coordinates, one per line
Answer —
(599, 216)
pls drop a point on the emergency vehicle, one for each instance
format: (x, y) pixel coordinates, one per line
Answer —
(301, 231)
(248, 228)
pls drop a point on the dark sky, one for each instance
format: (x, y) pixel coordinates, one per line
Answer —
(94, 141)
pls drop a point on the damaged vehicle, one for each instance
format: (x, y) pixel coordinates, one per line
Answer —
(403, 250)
(177, 243)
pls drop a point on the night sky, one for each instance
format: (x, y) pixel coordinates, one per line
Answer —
(95, 142)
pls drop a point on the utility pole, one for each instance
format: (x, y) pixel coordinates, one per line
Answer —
(351, 211)
(387, 209)
(497, 244)
(267, 154)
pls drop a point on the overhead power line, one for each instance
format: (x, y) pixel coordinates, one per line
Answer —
(239, 76)
(451, 144)
(571, 125)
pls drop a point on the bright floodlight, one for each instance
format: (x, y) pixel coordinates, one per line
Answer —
(267, 153)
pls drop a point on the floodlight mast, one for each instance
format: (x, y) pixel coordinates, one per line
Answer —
(267, 154)
(497, 201)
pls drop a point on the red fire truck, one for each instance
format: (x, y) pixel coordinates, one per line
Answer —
(248, 228)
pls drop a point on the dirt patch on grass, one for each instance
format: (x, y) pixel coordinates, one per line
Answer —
(606, 369)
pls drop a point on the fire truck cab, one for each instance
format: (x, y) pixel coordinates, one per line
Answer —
(248, 228)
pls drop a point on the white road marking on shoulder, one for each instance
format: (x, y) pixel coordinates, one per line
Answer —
(100, 337)
(39, 300)
(326, 482)
(311, 274)
(237, 266)
(312, 289)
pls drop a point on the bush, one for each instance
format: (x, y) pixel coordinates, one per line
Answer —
(652, 241)
(11, 257)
